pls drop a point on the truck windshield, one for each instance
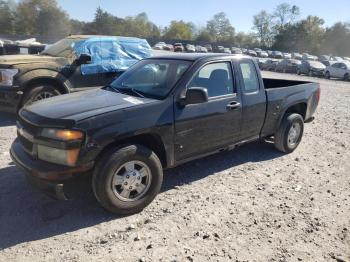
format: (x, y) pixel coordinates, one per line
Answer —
(151, 78)
(62, 48)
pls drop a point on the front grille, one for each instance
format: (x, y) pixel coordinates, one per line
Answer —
(27, 145)
(26, 133)
(29, 128)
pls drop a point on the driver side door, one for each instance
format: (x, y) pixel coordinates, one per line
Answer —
(206, 127)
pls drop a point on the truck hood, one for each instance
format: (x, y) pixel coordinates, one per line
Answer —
(27, 59)
(83, 105)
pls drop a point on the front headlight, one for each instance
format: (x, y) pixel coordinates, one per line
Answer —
(58, 156)
(61, 134)
(67, 157)
(6, 76)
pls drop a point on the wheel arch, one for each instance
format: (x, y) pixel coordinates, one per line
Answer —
(150, 140)
(299, 108)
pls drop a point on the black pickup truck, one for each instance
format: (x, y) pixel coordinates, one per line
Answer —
(160, 113)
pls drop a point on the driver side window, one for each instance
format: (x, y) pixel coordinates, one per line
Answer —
(216, 78)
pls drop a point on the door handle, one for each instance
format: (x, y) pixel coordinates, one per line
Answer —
(233, 105)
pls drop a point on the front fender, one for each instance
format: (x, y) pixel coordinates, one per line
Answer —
(36, 74)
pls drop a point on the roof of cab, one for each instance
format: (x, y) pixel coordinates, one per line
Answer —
(195, 56)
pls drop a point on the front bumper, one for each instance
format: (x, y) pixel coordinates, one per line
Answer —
(10, 98)
(46, 177)
(316, 72)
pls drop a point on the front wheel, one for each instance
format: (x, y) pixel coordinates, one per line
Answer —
(346, 77)
(127, 179)
(290, 133)
(39, 93)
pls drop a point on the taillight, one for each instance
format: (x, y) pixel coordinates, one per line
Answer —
(318, 94)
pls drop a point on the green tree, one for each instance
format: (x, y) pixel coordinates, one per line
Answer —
(337, 40)
(246, 40)
(7, 18)
(304, 36)
(263, 27)
(140, 26)
(204, 36)
(285, 14)
(77, 27)
(220, 28)
(42, 17)
(178, 30)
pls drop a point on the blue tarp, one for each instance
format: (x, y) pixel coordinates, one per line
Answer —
(111, 54)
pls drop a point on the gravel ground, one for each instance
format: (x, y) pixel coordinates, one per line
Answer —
(251, 204)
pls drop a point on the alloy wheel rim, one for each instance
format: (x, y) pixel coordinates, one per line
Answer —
(131, 181)
(42, 96)
(294, 134)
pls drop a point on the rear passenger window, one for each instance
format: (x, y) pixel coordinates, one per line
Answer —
(216, 78)
(250, 78)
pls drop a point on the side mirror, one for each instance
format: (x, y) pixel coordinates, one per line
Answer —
(194, 95)
(83, 59)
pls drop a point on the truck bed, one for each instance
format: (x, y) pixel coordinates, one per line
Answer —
(270, 83)
(281, 94)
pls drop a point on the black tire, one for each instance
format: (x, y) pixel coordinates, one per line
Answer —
(298, 72)
(282, 134)
(108, 166)
(328, 75)
(310, 73)
(346, 77)
(32, 95)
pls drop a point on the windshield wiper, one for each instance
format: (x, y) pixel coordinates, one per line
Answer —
(126, 91)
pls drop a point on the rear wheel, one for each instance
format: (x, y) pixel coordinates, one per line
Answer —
(39, 93)
(127, 179)
(346, 77)
(310, 73)
(298, 72)
(289, 134)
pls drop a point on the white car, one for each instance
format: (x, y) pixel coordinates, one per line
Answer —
(339, 70)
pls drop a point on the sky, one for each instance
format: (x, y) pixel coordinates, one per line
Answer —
(240, 12)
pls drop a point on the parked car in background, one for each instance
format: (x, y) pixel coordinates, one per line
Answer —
(163, 112)
(190, 48)
(209, 47)
(168, 47)
(159, 46)
(220, 49)
(288, 66)
(324, 58)
(227, 50)
(297, 56)
(201, 49)
(261, 62)
(311, 68)
(73, 64)
(287, 55)
(337, 58)
(346, 58)
(327, 62)
(270, 64)
(309, 57)
(277, 54)
(339, 70)
(262, 54)
(236, 51)
(251, 53)
(178, 47)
